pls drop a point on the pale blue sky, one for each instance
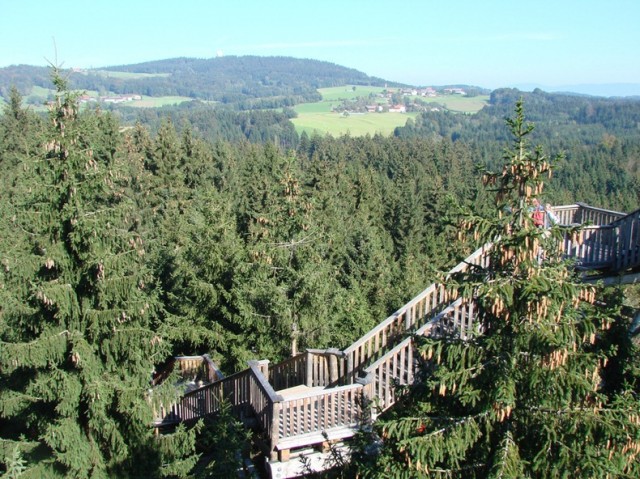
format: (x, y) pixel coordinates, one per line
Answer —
(489, 43)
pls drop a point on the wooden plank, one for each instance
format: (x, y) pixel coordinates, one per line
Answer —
(317, 437)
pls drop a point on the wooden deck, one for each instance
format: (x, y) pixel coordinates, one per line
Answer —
(325, 395)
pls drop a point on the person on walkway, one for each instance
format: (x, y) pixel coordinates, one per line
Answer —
(537, 213)
(550, 218)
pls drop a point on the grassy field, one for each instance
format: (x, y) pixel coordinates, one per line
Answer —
(146, 102)
(355, 124)
(319, 117)
(459, 103)
(156, 101)
(314, 117)
(339, 93)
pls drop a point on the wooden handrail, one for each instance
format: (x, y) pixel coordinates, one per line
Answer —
(319, 411)
(206, 400)
(212, 372)
(405, 319)
(265, 403)
(581, 213)
(263, 383)
(386, 353)
(627, 253)
(190, 367)
(615, 246)
(598, 216)
(399, 365)
(289, 373)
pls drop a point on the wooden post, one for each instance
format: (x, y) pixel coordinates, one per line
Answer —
(263, 366)
(283, 455)
(367, 395)
(333, 365)
(309, 378)
(274, 433)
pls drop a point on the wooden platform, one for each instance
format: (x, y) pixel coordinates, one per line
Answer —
(322, 397)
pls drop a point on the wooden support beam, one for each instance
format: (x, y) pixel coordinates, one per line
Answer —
(284, 455)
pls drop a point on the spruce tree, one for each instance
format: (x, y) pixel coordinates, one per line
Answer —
(79, 313)
(541, 388)
(280, 288)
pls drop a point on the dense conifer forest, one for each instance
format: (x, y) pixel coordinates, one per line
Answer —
(126, 240)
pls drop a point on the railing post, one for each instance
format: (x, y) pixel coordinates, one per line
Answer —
(350, 371)
(213, 373)
(333, 365)
(274, 433)
(263, 366)
(367, 398)
(309, 378)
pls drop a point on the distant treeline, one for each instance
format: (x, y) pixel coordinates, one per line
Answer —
(246, 82)
(216, 124)
(252, 97)
(600, 139)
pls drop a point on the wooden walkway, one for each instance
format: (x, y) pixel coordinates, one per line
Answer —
(318, 396)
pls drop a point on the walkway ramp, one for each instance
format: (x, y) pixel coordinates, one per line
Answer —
(318, 396)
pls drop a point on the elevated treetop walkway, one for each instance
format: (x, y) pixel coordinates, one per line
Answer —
(317, 396)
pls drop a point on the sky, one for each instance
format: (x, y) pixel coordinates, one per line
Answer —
(489, 43)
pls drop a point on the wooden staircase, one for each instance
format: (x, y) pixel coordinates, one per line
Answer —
(317, 396)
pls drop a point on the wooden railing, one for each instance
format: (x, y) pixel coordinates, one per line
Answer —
(195, 368)
(591, 246)
(265, 404)
(627, 254)
(399, 365)
(289, 373)
(385, 355)
(206, 400)
(614, 245)
(325, 368)
(580, 214)
(313, 368)
(320, 411)
(428, 303)
(246, 392)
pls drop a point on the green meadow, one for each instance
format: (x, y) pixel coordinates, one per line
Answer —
(319, 116)
(156, 101)
(458, 103)
(315, 117)
(348, 92)
(336, 124)
(40, 95)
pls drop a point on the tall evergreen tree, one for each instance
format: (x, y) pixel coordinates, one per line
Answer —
(79, 314)
(19, 136)
(277, 293)
(540, 389)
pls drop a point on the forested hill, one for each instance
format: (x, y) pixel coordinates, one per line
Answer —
(574, 118)
(230, 79)
(599, 137)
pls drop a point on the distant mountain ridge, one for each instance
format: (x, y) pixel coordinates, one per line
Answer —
(590, 89)
(239, 82)
(230, 80)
